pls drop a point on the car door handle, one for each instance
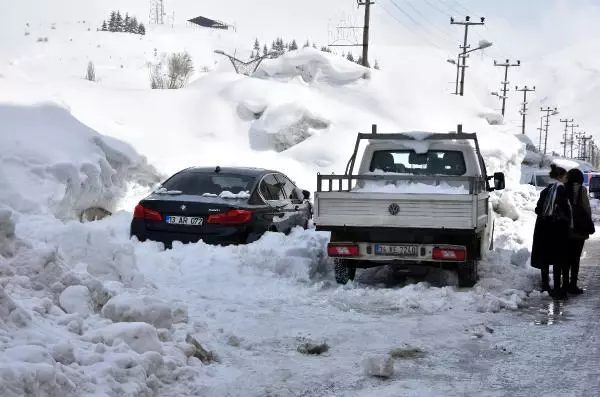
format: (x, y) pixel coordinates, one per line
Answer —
(297, 208)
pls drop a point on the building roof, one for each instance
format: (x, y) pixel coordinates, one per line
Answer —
(208, 23)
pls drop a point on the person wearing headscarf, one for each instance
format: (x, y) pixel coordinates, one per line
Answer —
(552, 229)
(583, 225)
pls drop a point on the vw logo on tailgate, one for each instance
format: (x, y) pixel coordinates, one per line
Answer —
(183, 207)
(394, 209)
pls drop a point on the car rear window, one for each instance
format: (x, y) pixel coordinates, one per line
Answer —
(199, 183)
(432, 162)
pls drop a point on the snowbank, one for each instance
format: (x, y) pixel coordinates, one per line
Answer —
(312, 65)
(76, 315)
(53, 164)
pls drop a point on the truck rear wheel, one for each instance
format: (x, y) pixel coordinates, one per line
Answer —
(467, 274)
(343, 271)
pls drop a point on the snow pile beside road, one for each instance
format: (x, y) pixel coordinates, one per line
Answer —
(77, 316)
(50, 163)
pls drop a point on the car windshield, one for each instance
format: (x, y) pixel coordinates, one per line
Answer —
(209, 184)
(542, 180)
(432, 162)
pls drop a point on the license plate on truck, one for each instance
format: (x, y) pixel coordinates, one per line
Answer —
(184, 220)
(397, 250)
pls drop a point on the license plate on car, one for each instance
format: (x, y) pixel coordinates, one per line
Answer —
(397, 250)
(184, 220)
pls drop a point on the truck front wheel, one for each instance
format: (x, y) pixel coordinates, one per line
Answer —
(467, 274)
(343, 271)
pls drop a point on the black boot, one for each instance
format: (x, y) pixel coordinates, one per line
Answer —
(573, 288)
(560, 288)
(546, 279)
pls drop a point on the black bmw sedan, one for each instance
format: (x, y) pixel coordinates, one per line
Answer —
(221, 206)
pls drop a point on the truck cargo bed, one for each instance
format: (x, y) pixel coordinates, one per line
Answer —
(437, 211)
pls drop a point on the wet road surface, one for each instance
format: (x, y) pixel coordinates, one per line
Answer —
(550, 348)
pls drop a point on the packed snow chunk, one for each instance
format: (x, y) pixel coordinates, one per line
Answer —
(63, 353)
(141, 337)
(134, 308)
(381, 366)
(18, 379)
(7, 233)
(74, 170)
(283, 126)
(10, 313)
(418, 135)
(312, 65)
(226, 194)
(408, 187)
(29, 354)
(77, 299)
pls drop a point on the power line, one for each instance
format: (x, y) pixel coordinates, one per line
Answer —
(405, 13)
(444, 34)
(408, 29)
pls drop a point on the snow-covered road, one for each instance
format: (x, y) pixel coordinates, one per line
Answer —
(545, 348)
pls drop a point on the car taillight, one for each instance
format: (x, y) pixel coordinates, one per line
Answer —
(449, 254)
(342, 249)
(233, 217)
(144, 213)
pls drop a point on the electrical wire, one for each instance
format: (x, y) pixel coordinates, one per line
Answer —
(444, 34)
(408, 29)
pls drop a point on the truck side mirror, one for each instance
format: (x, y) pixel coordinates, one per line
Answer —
(306, 194)
(499, 182)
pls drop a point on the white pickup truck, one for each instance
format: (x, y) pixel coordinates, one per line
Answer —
(419, 199)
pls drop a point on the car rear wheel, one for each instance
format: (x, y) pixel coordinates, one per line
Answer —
(343, 271)
(467, 274)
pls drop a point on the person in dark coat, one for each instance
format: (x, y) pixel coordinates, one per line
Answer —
(583, 225)
(552, 229)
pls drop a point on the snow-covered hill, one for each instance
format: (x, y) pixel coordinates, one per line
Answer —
(86, 311)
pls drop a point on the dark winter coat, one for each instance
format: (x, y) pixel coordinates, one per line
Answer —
(550, 237)
(583, 225)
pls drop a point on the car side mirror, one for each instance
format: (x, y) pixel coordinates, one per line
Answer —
(306, 194)
(499, 182)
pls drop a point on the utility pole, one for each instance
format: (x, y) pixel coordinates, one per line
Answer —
(525, 90)
(565, 140)
(365, 43)
(365, 28)
(541, 130)
(584, 153)
(549, 111)
(505, 83)
(573, 126)
(466, 23)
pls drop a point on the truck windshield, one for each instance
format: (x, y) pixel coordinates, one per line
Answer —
(432, 162)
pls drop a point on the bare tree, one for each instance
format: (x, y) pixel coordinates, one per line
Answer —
(157, 80)
(91, 72)
(180, 68)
